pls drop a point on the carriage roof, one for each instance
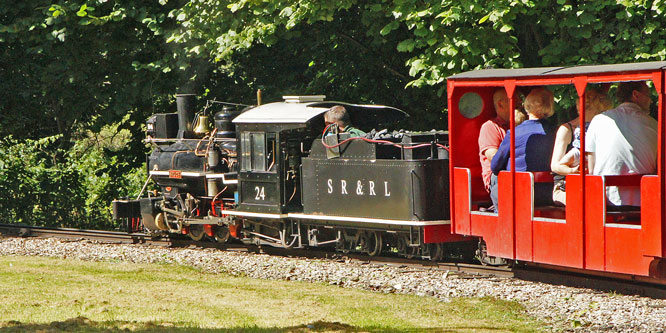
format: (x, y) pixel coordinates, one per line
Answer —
(559, 71)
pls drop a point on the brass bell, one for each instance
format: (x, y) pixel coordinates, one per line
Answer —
(202, 125)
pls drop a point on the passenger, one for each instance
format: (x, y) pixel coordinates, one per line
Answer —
(492, 133)
(623, 141)
(338, 115)
(566, 152)
(534, 145)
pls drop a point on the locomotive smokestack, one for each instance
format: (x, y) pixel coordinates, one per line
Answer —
(185, 107)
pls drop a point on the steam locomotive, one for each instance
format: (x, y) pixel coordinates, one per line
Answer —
(268, 175)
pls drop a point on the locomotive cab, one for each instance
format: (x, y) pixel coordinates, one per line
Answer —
(269, 158)
(272, 140)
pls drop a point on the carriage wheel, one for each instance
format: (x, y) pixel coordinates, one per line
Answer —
(485, 259)
(436, 251)
(196, 232)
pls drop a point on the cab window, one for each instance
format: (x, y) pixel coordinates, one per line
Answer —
(258, 151)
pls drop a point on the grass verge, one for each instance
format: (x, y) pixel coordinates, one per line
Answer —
(44, 294)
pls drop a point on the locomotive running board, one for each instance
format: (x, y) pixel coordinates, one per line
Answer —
(337, 218)
(367, 220)
(250, 214)
(197, 174)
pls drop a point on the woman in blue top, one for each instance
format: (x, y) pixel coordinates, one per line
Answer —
(534, 145)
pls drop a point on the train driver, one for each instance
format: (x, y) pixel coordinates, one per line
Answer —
(339, 116)
(623, 141)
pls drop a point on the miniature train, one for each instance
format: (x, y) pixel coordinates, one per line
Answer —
(271, 177)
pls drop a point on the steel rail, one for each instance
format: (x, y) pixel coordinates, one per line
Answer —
(117, 237)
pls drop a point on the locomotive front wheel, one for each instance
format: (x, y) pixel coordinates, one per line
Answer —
(196, 232)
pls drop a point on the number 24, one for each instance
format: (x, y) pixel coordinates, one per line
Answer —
(260, 193)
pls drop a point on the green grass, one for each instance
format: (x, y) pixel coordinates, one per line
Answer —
(39, 293)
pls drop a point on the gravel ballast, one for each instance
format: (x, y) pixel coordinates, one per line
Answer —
(562, 307)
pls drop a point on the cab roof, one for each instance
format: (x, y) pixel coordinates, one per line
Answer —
(301, 113)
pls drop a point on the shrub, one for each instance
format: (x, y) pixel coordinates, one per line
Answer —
(43, 184)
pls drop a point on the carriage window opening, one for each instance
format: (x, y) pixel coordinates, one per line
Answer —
(470, 105)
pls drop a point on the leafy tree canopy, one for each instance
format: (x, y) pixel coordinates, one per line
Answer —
(434, 38)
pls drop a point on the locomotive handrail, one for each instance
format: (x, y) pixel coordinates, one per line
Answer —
(411, 176)
(398, 145)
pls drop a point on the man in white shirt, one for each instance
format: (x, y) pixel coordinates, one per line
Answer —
(623, 141)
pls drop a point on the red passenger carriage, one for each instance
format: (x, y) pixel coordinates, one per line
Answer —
(583, 235)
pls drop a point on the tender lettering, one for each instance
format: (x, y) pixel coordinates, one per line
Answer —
(359, 188)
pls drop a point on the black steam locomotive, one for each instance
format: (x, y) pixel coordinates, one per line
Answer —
(268, 175)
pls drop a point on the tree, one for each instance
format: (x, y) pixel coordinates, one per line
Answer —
(434, 38)
(67, 64)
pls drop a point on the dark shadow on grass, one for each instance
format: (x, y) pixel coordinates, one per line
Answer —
(86, 325)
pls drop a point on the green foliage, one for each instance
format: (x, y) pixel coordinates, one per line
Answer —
(45, 185)
(438, 38)
(69, 69)
(66, 62)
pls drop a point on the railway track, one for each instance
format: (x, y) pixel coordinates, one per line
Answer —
(117, 237)
(535, 273)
